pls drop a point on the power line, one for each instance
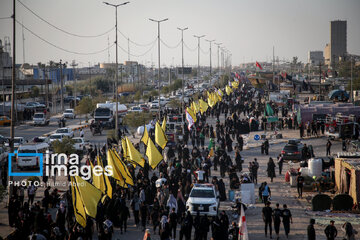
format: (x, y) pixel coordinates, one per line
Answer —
(190, 49)
(60, 48)
(62, 30)
(140, 55)
(135, 43)
(168, 46)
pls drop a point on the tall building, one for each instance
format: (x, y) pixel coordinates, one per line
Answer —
(315, 57)
(338, 42)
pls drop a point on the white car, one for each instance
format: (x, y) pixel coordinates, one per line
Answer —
(203, 199)
(56, 136)
(41, 119)
(69, 113)
(154, 103)
(67, 132)
(136, 109)
(30, 161)
(79, 144)
(17, 142)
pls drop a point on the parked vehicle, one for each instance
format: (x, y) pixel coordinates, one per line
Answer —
(136, 109)
(30, 161)
(341, 127)
(41, 118)
(203, 199)
(293, 151)
(17, 142)
(56, 136)
(69, 113)
(67, 132)
(144, 107)
(3, 139)
(79, 144)
(5, 121)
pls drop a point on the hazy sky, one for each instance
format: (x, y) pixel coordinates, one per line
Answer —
(247, 28)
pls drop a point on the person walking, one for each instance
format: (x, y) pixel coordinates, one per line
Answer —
(277, 213)
(135, 205)
(311, 230)
(255, 168)
(349, 231)
(328, 148)
(331, 231)
(173, 222)
(300, 184)
(267, 218)
(280, 163)
(286, 219)
(271, 169)
(266, 193)
(143, 213)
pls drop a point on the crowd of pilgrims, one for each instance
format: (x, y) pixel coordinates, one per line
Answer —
(158, 208)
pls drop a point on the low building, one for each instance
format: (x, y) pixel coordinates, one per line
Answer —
(315, 58)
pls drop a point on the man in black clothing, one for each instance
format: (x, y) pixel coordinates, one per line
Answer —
(173, 223)
(300, 184)
(277, 219)
(328, 148)
(331, 231)
(287, 218)
(311, 230)
(204, 226)
(267, 215)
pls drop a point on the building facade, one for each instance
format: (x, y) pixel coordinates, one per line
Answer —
(315, 57)
(337, 48)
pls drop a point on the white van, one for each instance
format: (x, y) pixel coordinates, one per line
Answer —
(30, 162)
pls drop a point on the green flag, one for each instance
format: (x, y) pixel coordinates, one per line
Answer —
(268, 110)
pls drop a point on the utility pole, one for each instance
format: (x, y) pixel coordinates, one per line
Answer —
(273, 66)
(13, 88)
(90, 89)
(159, 72)
(319, 81)
(61, 86)
(128, 49)
(116, 66)
(198, 72)
(351, 81)
(210, 41)
(74, 64)
(23, 42)
(218, 58)
(182, 66)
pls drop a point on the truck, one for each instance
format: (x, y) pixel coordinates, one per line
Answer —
(41, 118)
(105, 113)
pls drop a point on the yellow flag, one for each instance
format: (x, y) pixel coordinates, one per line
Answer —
(153, 155)
(192, 114)
(196, 107)
(211, 153)
(102, 181)
(124, 148)
(98, 179)
(235, 84)
(124, 171)
(79, 209)
(145, 135)
(210, 101)
(220, 92)
(163, 125)
(134, 154)
(160, 137)
(90, 196)
(116, 172)
(203, 106)
(228, 90)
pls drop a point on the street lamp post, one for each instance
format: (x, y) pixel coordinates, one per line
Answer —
(198, 73)
(159, 72)
(182, 65)
(210, 41)
(218, 59)
(116, 71)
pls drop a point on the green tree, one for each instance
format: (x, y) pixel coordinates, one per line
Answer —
(137, 96)
(154, 93)
(35, 91)
(65, 146)
(174, 103)
(136, 119)
(85, 106)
